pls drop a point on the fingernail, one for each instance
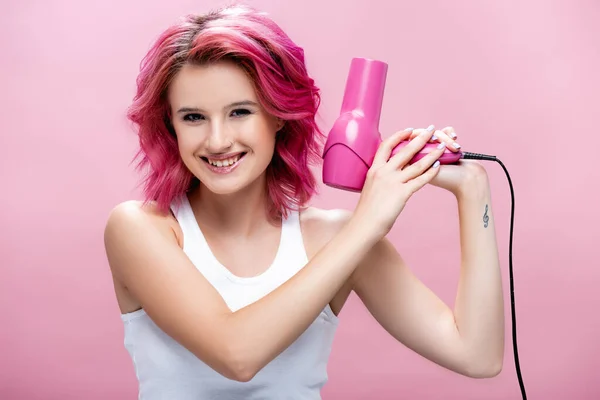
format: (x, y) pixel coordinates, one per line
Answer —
(434, 137)
(453, 135)
(430, 128)
(456, 145)
(436, 164)
(441, 145)
(409, 129)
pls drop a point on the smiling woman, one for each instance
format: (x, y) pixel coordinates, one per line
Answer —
(242, 49)
(229, 284)
(223, 128)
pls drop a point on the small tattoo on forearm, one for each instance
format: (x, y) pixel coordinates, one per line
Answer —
(486, 219)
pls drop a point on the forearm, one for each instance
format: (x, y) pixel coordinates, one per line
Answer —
(479, 307)
(265, 328)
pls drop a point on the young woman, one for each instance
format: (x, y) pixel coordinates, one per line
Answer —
(229, 284)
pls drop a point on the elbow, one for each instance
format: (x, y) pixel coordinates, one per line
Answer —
(486, 370)
(235, 370)
(235, 356)
(238, 365)
(239, 372)
(484, 362)
(242, 371)
(231, 355)
(244, 376)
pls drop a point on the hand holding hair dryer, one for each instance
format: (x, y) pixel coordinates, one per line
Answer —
(354, 138)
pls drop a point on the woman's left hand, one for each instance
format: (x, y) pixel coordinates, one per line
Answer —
(462, 176)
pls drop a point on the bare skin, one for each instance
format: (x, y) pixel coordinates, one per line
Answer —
(406, 308)
(318, 227)
(347, 251)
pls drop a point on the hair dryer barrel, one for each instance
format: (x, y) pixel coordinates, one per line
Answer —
(364, 88)
(354, 138)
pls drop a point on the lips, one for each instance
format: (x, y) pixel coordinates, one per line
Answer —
(224, 163)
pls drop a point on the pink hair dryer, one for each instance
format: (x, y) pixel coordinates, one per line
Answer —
(354, 138)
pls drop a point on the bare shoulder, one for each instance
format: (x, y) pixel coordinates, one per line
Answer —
(132, 227)
(132, 211)
(132, 224)
(321, 225)
(133, 216)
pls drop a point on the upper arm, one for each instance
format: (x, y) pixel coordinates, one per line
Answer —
(144, 255)
(319, 227)
(407, 309)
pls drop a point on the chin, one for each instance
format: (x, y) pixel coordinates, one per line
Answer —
(222, 188)
(226, 185)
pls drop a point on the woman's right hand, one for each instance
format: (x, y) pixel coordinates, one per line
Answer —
(391, 181)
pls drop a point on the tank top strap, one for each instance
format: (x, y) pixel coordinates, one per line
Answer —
(293, 243)
(177, 207)
(185, 216)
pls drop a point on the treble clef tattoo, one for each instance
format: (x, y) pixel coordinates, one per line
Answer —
(486, 219)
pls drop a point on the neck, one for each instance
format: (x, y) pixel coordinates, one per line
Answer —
(242, 214)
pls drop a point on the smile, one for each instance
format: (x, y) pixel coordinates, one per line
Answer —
(225, 165)
(226, 162)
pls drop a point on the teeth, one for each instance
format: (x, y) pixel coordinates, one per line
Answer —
(224, 163)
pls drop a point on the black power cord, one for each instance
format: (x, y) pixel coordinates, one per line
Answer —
(485, 157)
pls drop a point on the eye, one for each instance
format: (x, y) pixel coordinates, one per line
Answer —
(194, 117)
(240, 112)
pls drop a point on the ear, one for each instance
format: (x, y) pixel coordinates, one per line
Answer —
(279, 123)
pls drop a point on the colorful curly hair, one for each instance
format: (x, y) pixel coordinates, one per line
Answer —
(277, 69)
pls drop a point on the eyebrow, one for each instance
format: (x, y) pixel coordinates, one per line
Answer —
(232, 105)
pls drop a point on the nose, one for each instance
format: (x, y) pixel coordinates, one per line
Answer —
(218, 140)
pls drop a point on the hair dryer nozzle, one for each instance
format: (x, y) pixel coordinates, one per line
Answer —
(354, 137)
(364, 88)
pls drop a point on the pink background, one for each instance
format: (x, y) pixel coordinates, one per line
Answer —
(516, 79)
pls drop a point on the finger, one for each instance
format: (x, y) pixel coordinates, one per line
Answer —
(450, 143)
(402, 157)
(423, 179)
(452, 135)
(421, 166)
(417, 132)
(450, 132)
(385, 148)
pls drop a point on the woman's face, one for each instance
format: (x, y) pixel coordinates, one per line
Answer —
(225, 138)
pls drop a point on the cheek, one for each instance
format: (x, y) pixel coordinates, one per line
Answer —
(268, 134)
(265, 142)
(188, 139)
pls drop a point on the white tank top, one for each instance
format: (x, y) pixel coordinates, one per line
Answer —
(166, 370)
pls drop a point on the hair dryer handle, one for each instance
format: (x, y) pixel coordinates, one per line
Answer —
(447, 157)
